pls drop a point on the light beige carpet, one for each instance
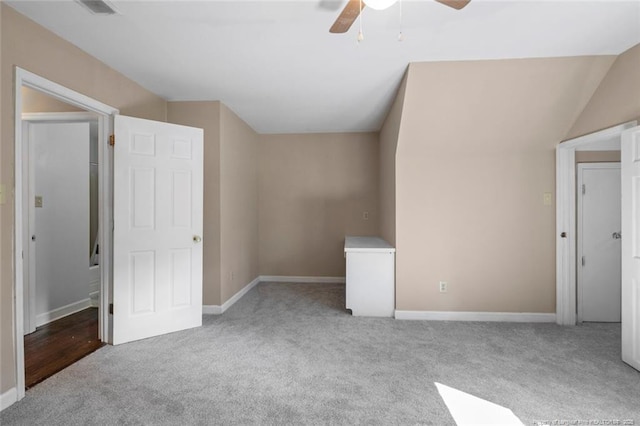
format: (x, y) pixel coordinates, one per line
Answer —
(289, 354)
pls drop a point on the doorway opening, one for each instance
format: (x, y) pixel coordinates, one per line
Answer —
(60, 343)
(566, 218)
(79, 112)
(60, 204)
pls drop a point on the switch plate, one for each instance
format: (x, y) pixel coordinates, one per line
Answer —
(38, 202)
(443, 286)
(365, 215)
(3, 190)
(547, 199)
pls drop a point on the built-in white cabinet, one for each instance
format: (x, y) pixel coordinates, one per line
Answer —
(370, 285)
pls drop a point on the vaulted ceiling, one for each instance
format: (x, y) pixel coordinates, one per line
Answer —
(278, 67)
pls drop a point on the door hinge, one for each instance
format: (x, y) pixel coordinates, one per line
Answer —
(112, 140)
(584, 189)
(583, 261)
(111, 308)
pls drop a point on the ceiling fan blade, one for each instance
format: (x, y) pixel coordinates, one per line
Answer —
(456, 4)
(347, 17)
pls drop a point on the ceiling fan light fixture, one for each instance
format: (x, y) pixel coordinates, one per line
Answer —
(380, 4)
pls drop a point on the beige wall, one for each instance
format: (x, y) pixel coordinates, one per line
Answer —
(389, 134)
(231, 197)
(617, 99)
(474, 158)
(314, 189)
(36, 101)
(206, 115)
(238, 203)
(30, 46)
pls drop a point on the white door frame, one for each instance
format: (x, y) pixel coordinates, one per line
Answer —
(25, 78)
(604, 140)
(579, 228)
(28, 254)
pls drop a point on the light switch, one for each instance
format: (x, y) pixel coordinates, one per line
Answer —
(38, 200)
(547, 198)
(3, 190)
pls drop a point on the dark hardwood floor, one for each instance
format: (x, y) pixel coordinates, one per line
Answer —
(57, 345)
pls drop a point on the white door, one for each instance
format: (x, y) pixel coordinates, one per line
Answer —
(630, 161)
(599, 242)
(157, 259)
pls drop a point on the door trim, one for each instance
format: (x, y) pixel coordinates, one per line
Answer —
(579, 229)
(604, 140)
(24, 78)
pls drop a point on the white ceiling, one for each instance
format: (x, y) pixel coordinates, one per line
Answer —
(277, 66)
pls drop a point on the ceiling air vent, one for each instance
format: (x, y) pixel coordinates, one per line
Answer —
(98, 7)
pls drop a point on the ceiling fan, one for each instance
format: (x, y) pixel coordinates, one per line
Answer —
(351, 11)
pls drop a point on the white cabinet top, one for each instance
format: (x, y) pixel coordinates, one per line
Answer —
(367, 244)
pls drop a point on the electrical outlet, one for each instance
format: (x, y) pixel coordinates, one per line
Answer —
(365, 215)
(443, 286)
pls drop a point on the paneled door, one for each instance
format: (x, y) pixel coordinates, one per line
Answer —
(158, 201)
(630, 164)
(599, 242)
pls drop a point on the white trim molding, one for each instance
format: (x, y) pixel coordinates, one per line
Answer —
(24, 78)
(475, 316)
(8, 398)
(61, 93)
(220, 309)
(603, 140)
(301, 279)
(54, 117)
(211, 310)
(63, 311)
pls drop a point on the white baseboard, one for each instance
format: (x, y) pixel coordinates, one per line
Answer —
(94, 278)
(47, 317)
(217, 309)
(95, 299)
(211, 309)
(300, 279)
(94, 287)
(8, 398)
(475, 316)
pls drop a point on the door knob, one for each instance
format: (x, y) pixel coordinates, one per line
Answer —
(33, 238)
(616, 235)
(197, 238)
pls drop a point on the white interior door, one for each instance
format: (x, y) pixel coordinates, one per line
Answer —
(630, 162)
(599, 242)
(158, 201)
